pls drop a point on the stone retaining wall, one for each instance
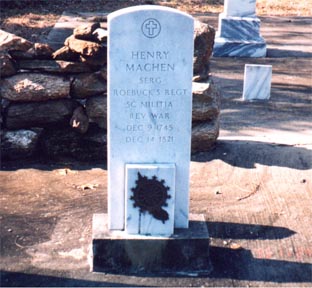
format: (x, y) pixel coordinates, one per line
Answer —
(53, 103)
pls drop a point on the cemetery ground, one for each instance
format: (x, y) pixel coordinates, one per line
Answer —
(254, 188)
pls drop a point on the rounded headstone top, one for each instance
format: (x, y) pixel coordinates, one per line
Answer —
(147, 8)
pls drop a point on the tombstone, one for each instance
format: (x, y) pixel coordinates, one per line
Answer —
(239, 31)
(148, 226)
(150, 102)
(257, 82)
(240, 8)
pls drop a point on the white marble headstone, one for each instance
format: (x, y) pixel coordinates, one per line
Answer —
(257, 82)
(150, 56)
(240, 8)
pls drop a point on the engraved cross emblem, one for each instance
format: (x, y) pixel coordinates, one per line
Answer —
(151, 28)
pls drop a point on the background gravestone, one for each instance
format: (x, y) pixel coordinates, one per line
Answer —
(150, 101)
(257, 82)
(239, 31)
(240, 8)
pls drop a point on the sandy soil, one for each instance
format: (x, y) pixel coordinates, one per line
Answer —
(35, 18)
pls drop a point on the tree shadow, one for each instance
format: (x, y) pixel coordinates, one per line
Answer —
(246, 154)
(282, 53)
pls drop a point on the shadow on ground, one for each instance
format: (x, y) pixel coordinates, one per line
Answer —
(18, 279)
(241, 265)
(228, 264)
(229, 151)
(225, 230)
(238, 264)
(50, 165)
(276, 52)
(247, 154)
(22, 231)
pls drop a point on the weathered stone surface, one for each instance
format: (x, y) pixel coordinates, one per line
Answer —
(99, 59)
(97, 110)
(80, 120)
(85, 48)
(65, 54)
(206, 101)
(7, 65)
(202, 76)
(86, 85)
(37, 51)
(9, 42)
(203, 45)
(40, 114)
(65, 142)
(54, 66)
(204, 135)
(3, 104)
(103, 71)
(34, 87)
(101, 35)
(85, 31)
(19, 143)
(41, 51)
(21, 55)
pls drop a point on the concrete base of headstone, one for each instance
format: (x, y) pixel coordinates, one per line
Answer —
(186, 252)
(225, 47)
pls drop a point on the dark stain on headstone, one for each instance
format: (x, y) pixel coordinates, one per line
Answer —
(149, 195)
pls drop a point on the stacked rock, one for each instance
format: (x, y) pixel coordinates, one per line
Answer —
(44, 95)
(54, 102)
(206, 98)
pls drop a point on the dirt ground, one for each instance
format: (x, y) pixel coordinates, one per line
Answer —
(254, 188)
(33, 19)
(257, 207)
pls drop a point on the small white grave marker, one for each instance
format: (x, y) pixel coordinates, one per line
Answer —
(149, 110)
(257, 82)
